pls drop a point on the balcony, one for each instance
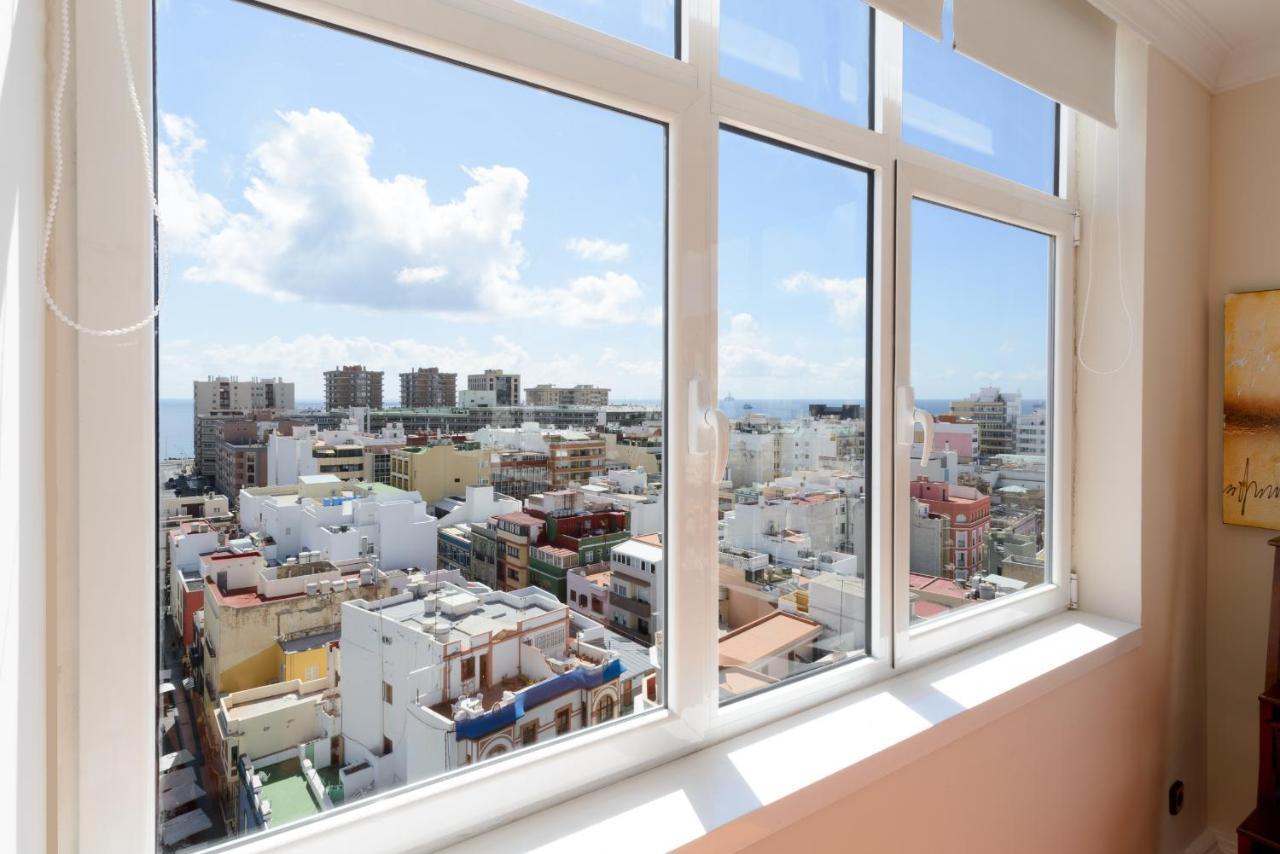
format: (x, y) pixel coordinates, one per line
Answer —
(630, 605)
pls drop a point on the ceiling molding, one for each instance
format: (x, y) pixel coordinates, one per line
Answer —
(1184, 35)
(1252, 62)
(1177, 30)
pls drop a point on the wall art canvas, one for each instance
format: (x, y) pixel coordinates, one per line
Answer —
(1251, 410)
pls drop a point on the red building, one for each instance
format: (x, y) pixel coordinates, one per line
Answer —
(970, 514)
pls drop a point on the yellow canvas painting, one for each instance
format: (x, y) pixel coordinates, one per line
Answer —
(1251, 410)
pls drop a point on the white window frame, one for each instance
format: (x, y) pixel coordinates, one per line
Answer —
(104, 242)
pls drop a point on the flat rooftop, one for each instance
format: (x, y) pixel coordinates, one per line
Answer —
(492, 617)
(285, 787)
(770, 636)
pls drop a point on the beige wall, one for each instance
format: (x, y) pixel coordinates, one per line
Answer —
(1086, 767)
(1245, 239)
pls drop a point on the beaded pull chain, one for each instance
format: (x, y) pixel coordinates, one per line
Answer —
(56, 190)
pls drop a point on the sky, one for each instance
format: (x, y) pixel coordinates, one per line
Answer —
(331, 200)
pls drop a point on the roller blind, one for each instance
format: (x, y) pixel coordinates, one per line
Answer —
(1065, 49)
(923, 15)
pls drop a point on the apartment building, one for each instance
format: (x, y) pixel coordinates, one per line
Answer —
(519, 473)
(1033, 432)
(506, 387)
(636, 587)
(241, 464)
(348, 453)
(341, 521)
(578, 395)
(968, 512)
(447, 674)
(352, 385)
(231, 394)
(438, 471)
(424, 387)
(996, 414)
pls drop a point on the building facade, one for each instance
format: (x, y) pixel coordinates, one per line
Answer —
(996, 413)
(506, 387)
(352, 385)
(231, 394)
(578, 395)
(428, 387)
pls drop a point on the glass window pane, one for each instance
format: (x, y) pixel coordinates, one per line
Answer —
(816, 54)
(411, 416)
(980, 356)
(793, 380)
(648, 23)
(961, 109)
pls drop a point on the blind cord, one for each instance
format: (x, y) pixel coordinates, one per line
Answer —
(1088, 289)
(56, 190)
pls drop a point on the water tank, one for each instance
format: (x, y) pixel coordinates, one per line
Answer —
(312, 588)
(339, 585)
(366, 576)
(325, 585)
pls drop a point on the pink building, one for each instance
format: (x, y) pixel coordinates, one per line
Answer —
(953, 433)
(970, 514)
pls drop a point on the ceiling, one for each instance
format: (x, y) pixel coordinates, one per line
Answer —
(1223, 43)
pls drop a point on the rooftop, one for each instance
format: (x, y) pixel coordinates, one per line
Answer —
(772, 635)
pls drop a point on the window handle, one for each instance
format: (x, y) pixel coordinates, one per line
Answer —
(909, 415)
(708, 429)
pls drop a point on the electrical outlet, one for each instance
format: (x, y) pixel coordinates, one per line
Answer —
(1176, 796)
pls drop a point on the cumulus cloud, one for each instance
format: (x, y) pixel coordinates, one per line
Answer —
(848, 296)
(189, 215)
(592, 249)
(319, 225)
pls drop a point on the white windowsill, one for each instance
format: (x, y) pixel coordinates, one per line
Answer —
(844, 745)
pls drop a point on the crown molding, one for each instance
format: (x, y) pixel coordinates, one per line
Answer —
(1177, 30)
(1252, 62)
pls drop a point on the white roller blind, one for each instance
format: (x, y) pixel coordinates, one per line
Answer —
(923, 15)
(1065, 49)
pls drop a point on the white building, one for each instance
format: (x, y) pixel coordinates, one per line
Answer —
(838, 601)
(636, 586)
(341, 452)
(231, 394)
(341, 522)
(1033, 435)
(445, 675)
(942, 466)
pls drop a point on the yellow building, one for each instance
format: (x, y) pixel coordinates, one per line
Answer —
(439, 471)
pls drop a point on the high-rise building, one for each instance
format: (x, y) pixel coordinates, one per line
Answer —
(579, 395)
(231, 394)
(507, 386)
(1033, 432)
(424, 387)
(996, 414)
(352, 385)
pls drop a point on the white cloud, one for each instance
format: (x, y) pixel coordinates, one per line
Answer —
(188, 215)
(320, 226)
(753, 366)
(594, 249)
(848, 296)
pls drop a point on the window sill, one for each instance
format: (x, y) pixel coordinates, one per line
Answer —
(898, 721)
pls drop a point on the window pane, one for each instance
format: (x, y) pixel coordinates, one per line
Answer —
(793, 380)
(816, 54)
(960, 109)
(648, 23)
(978, 504)
(376, 566)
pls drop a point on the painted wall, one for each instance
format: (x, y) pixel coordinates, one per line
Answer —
(1087, 767)
(1245, 239)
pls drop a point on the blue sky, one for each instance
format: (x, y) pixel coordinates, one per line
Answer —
(330, 199)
